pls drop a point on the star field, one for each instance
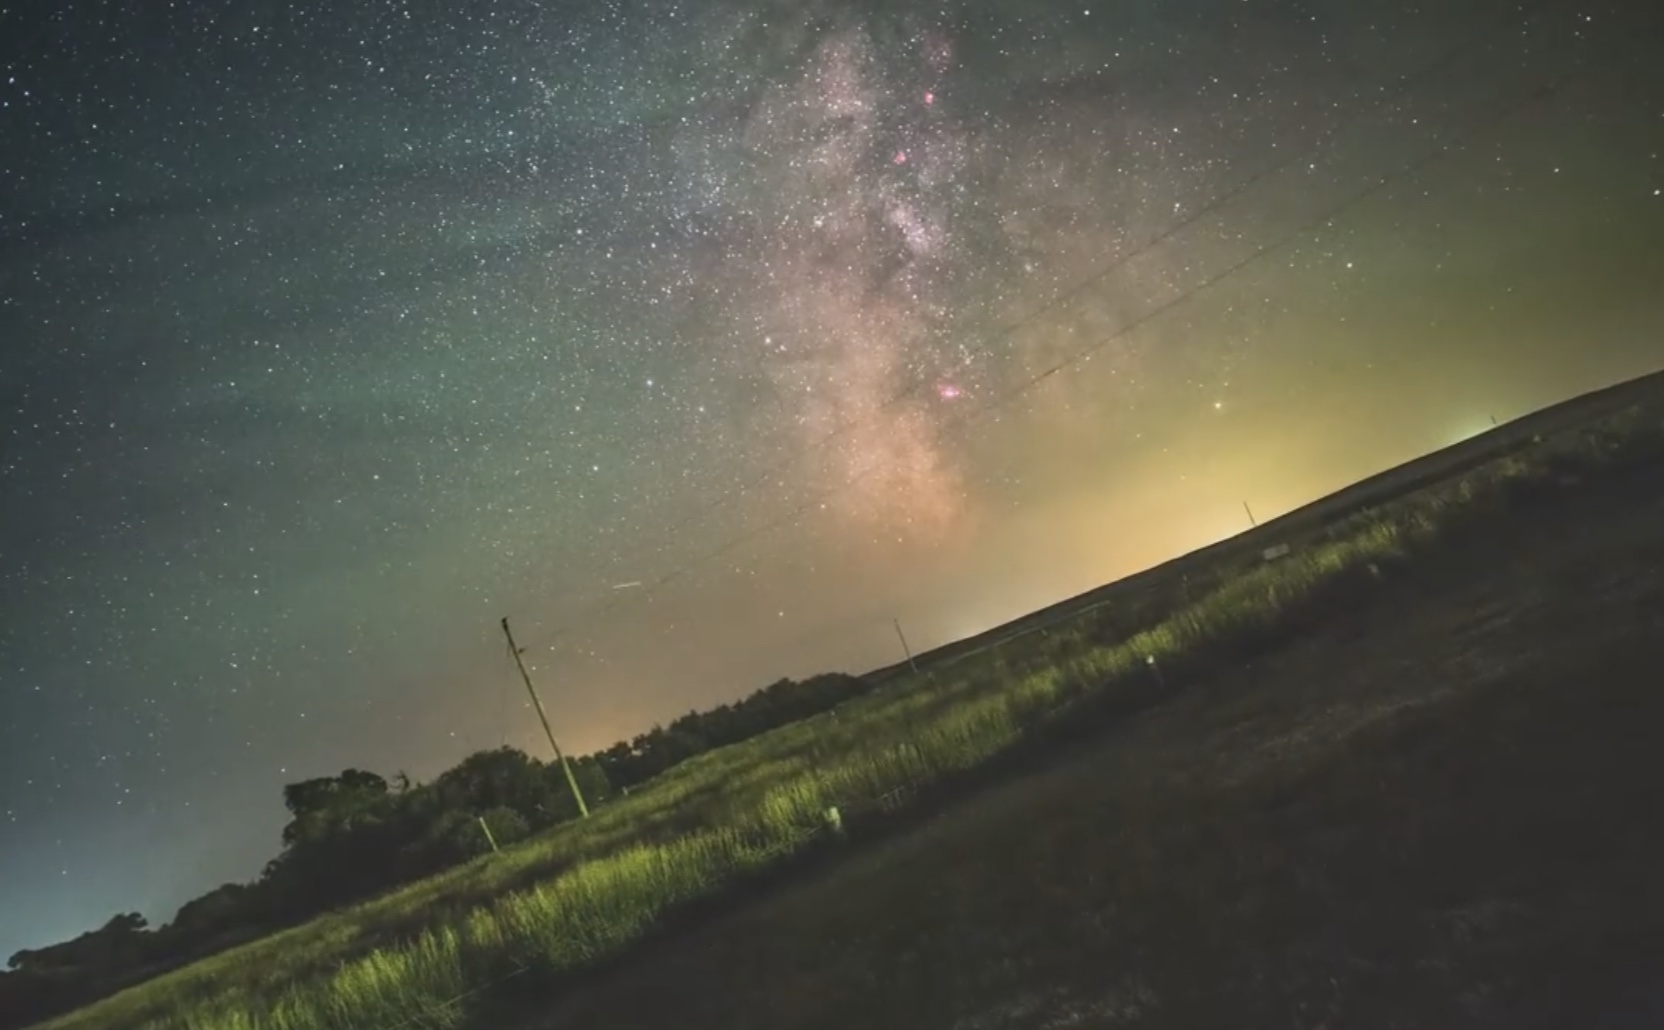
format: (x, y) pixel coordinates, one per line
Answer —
(703, 340)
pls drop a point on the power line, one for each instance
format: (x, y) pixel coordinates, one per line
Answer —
(1328, 214)
(1447, 60)
(1084, 353)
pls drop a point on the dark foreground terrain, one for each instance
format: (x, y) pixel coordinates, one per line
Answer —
(1397, 771)
(1442, 806)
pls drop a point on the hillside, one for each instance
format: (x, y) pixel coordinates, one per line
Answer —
(1431, 809)
(1157, 584)
(1220, 702)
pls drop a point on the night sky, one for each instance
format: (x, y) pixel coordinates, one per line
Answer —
(704, 339)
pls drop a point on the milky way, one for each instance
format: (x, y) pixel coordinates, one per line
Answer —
(840, 281)
(705, 341)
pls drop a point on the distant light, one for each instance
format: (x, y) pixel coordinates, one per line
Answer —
(948, 392)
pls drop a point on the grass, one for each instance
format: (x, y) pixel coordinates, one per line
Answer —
(1430, 811)
(437, 953)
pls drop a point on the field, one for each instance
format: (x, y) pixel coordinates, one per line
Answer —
(1436, 808)
(1400, 774)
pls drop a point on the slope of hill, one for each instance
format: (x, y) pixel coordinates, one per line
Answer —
(540, 919)
(1301, 524)
(1432, 809)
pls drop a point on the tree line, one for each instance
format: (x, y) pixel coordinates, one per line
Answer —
(358, 834)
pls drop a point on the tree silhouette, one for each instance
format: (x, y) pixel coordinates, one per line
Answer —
(355, 834)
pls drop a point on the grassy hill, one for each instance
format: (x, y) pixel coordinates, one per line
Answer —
(1335, 779)
(1435, 808)
(1156, 585)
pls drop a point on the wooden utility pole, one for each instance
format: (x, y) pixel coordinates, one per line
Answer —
(904, 648)
(1251, 520)
(571, 781)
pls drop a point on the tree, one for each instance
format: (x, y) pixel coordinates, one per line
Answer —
(323, 804)
(92, 954)
(215, 912)
(353, 834)
(505, 777)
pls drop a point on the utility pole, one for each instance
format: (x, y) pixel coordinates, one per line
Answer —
(571, 781)
(1251, 520)
(904, 648)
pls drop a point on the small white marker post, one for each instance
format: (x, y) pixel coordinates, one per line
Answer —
(1161, 681)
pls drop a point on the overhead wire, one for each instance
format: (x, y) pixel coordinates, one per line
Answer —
(1447, 60)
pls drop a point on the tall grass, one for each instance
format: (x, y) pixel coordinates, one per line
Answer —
(585, 892)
